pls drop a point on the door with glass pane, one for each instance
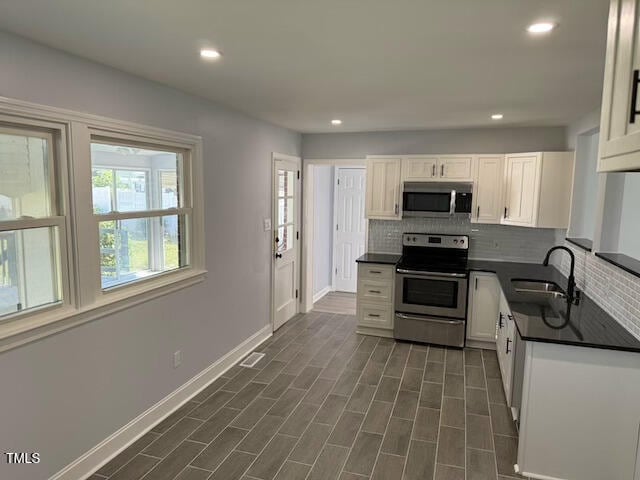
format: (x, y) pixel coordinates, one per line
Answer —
(286, 238)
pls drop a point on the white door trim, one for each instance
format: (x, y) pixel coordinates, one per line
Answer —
(307, 224)
(335, 219)
(275, 156)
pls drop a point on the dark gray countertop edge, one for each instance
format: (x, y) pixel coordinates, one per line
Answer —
(381, 258)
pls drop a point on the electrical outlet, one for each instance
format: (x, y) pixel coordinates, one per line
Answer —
(177, 358)
(267, 224)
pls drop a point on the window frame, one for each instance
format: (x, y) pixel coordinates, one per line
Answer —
(183, 211)
(83, 299)
(58, 218)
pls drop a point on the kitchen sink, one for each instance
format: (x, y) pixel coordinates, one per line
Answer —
(538, 287)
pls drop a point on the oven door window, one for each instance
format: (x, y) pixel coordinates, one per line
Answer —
(427, 202)
(430, 292)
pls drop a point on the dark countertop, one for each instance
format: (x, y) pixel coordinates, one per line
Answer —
(583, 243)
(620, 260)
(543, 320)
(384, 258)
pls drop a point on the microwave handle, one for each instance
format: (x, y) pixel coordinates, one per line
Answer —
(452, 206)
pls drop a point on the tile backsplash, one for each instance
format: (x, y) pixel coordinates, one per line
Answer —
(616, 291)
(486, 242)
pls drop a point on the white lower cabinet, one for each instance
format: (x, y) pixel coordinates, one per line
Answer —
(504, 346)
(484, 303)
(374, 300)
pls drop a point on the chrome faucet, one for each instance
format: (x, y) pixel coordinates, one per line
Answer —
(573, 296)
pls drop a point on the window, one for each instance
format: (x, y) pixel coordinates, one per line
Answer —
(286, 215)
(29, 222)
(96, 215)
(138, 206)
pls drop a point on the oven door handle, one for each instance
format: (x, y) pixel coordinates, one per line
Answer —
(404, 316)
(430, 274)
(452, 206)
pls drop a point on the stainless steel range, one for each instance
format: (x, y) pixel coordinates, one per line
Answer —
(431, 289)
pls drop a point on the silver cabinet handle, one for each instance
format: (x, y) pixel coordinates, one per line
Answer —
(376, 272)
(508, 342)
(397, 209)
(433, 170)
(442, 170)
(374, 315)
(375, 291)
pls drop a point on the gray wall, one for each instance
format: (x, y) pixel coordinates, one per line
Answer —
(585, 187)
(66, 393)
(475, 140)
(322, 227)
(629, 242)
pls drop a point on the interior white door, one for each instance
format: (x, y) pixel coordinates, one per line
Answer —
(350, 233)
(286, 199)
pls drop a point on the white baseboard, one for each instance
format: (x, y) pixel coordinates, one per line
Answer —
(102, 453)
(322, 293)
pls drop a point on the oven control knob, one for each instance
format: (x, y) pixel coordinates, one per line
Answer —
(414, 239)
(462, 241)
(455, 241)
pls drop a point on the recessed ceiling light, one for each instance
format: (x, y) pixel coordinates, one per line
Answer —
(209, 53)
(543, 27)
(336, 121)
(497, 116)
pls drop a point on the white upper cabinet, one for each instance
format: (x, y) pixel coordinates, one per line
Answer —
(383, 188)
(620, 122)
(538, 189)
(456, 168)
(416, 169)
(488, 189)
(436, 168)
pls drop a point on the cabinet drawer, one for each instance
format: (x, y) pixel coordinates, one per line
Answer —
(375, 291)
(378, 316)
(375, 271)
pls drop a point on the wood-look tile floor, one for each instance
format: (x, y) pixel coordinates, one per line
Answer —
(337, 302)
(327, 403)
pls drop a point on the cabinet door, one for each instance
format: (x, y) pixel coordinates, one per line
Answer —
(383, 188)
(507, 375)
(488, 189)
(484, 304)
(456, 168)
(415, 169)
(504, 346)
(522, 184)
(620, 125)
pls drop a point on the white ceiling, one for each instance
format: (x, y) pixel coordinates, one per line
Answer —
(376, 64)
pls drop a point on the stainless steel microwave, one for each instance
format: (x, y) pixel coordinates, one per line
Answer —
(436, 199)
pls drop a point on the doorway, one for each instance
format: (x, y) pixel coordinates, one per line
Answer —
(335, 233)
(286, 238)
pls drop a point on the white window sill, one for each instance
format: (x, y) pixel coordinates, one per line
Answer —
(50, 320)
